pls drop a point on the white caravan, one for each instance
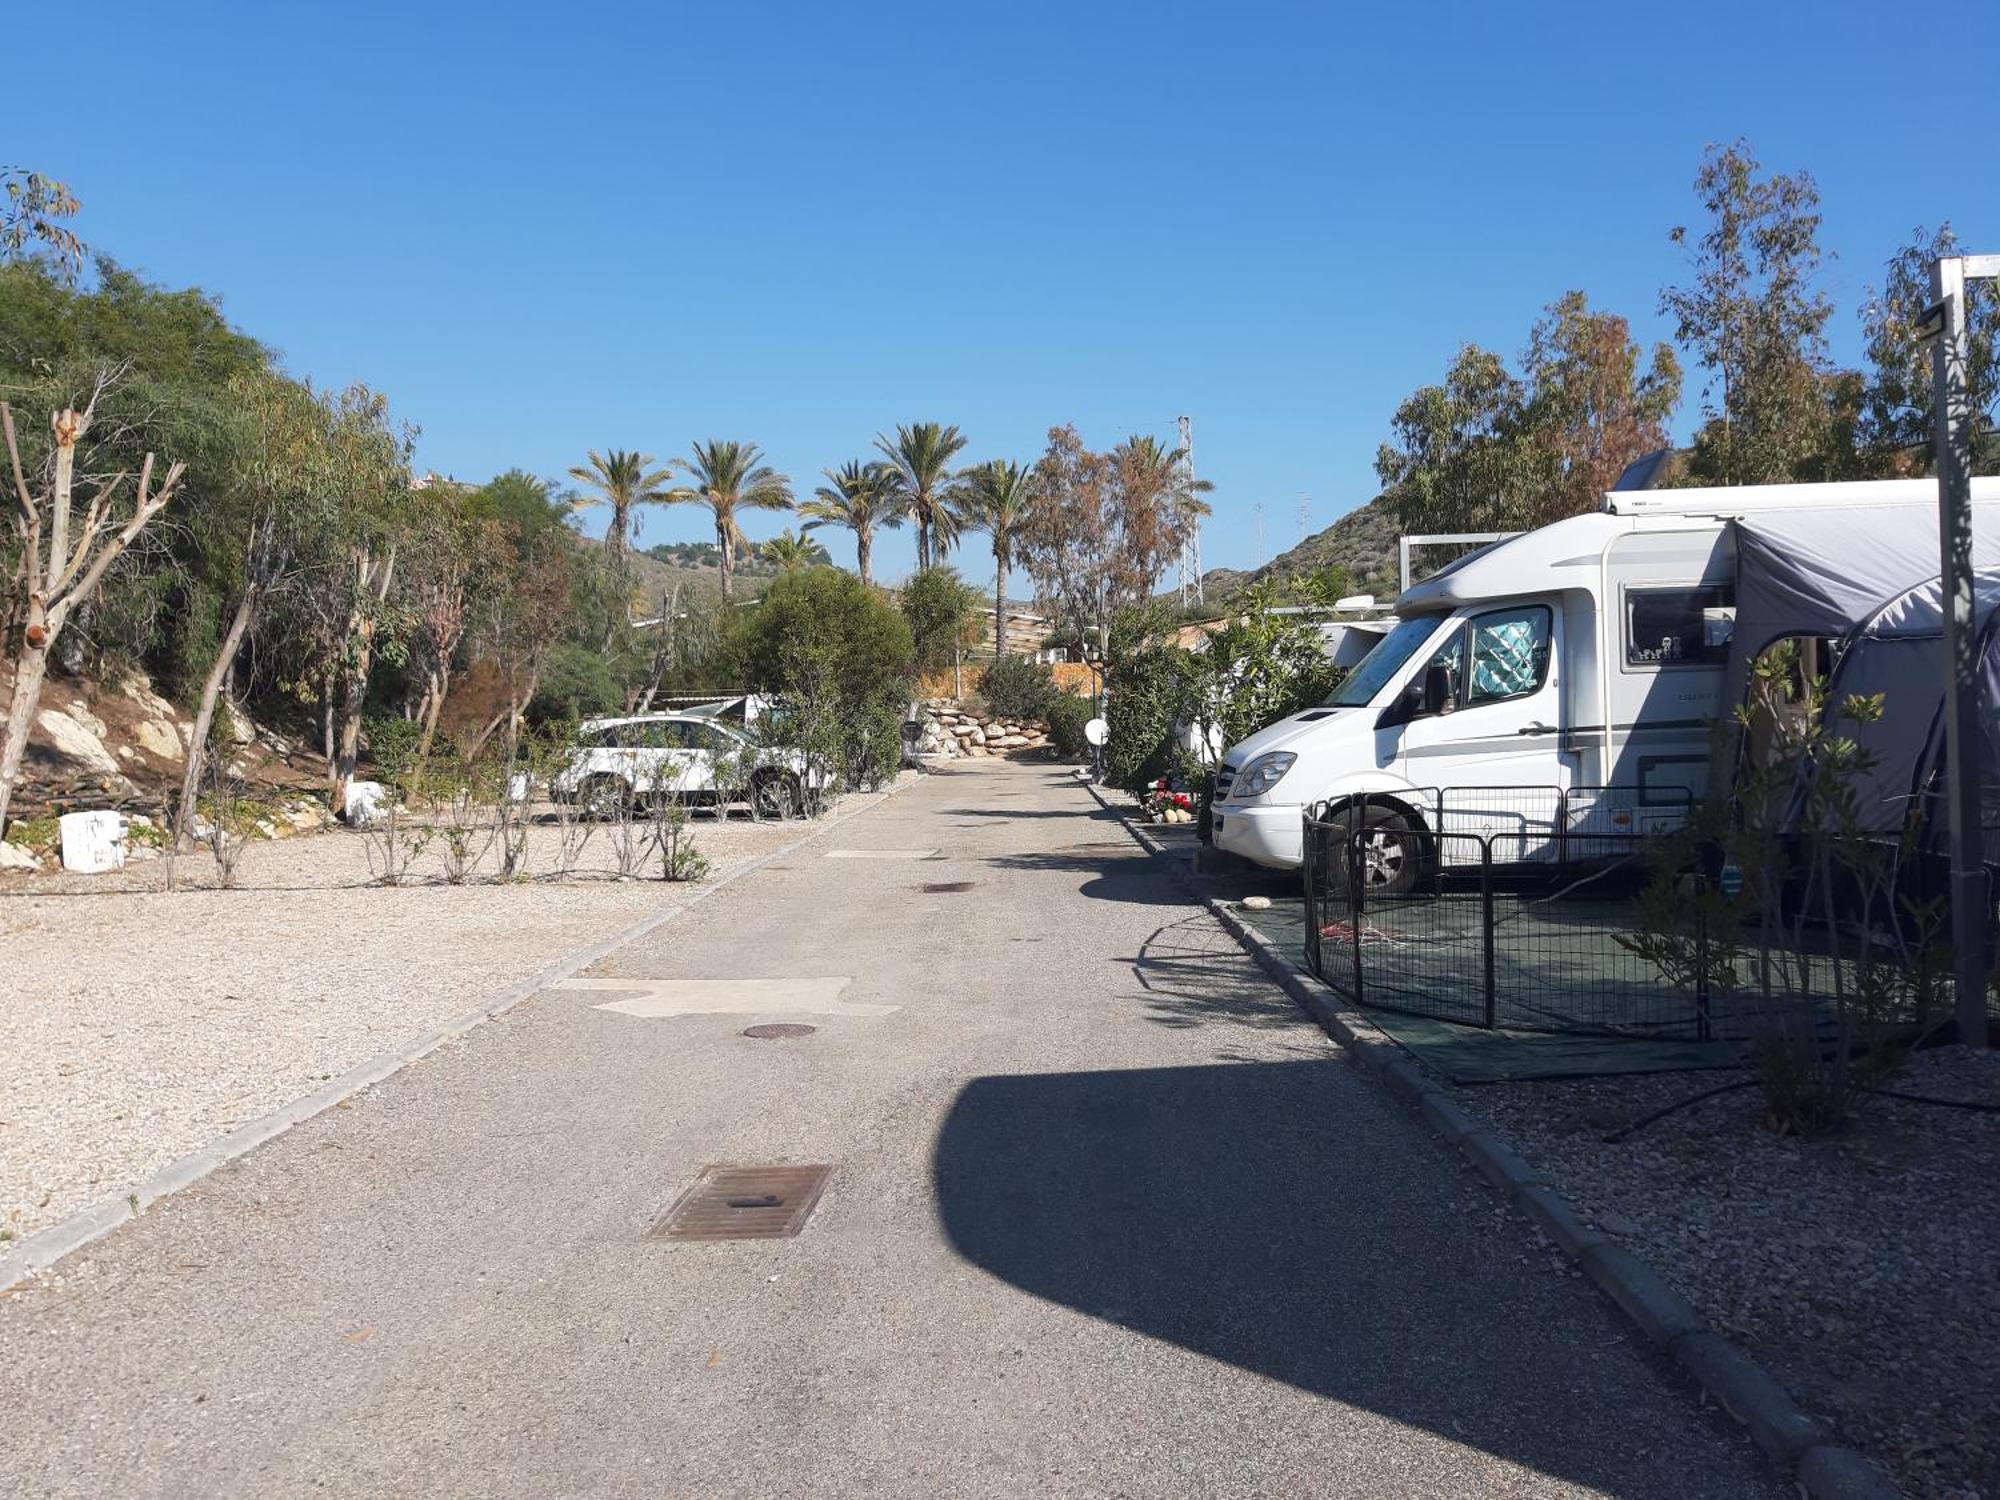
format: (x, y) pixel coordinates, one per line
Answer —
(1566, 677)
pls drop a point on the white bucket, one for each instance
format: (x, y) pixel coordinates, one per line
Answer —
(92, 842)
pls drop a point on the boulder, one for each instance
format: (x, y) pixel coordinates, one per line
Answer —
(140, 691)
(962, 729)
(158, 737)
(1008, 742)
(80, 711)
(73, 742)
(14, 857)
(236, 723)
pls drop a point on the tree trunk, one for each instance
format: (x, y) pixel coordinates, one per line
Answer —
(923, 543)
(725, 544)
(211, 693)
(29, 669)
(369, 579)
(440, 684)
(999, 606)
(615, 533)
(864, 543)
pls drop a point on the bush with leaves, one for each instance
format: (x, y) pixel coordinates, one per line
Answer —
(942, 610)
(1150, 683)
(1824, 936)
(1067, 716)
(834, 657)
(1018, 688)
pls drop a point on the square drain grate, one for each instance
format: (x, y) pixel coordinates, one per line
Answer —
(744, 1203)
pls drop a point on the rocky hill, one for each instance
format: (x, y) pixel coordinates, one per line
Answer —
(1363, 541)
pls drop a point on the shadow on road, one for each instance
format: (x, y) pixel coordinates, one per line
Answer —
(1237, 1211)
(1193, 973)
(1122, 870)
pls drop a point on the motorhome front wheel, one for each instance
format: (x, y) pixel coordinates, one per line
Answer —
(1388, 854)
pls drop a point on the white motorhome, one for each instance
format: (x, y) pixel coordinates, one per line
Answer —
(1594, 653)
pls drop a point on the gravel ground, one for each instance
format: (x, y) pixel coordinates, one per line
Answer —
(1863, 1270)
(146, 1024)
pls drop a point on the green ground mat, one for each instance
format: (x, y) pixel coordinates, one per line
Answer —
(1473, 1054)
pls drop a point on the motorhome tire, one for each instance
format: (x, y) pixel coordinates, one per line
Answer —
(1389, 852)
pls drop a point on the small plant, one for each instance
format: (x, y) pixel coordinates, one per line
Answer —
(673, 838)
(393, 840)
(225, 817)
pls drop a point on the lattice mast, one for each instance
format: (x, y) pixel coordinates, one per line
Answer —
(1191, 547)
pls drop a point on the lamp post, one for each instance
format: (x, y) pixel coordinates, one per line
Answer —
(1944, 325)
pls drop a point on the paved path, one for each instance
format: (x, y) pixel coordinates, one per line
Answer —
(1107, 1218)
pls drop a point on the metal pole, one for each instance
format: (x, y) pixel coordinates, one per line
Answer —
(1952, 418)
(1486, 930)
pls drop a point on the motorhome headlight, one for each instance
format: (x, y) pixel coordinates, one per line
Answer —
(1263, 773)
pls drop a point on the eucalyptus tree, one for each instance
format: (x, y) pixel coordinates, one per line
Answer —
(55, 572)
(997, 497)
(920, 459)
(623, 481)
(728, 478)
(1755, 320)
(861, 497)
(1158, 504)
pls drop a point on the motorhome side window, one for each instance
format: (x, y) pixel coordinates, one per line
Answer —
(1510, 654)
(1679, 626)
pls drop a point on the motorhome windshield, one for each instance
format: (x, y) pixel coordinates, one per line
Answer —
(1361, 685)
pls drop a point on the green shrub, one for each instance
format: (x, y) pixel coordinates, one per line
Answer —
(576, 683)
(834, 656)
(1017, 688)
(940, 608)
(1149, 688)
(1067, 716)
(392, 744)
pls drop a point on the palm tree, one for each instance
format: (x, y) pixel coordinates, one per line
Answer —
(995, 497)
(788, 551)
(920, 462)
(859, 496)
(622, 481)
(729, 477)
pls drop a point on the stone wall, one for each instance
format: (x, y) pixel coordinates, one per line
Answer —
(951, 732)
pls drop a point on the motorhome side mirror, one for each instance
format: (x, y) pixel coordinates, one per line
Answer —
(1437, 697)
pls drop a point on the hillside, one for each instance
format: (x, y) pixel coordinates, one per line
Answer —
(1363, 541)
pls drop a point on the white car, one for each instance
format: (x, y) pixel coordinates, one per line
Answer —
(627, 762)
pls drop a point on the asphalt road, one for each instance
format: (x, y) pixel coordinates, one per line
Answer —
(1107, 1217)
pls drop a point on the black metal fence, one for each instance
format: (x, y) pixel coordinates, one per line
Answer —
(1531, 910)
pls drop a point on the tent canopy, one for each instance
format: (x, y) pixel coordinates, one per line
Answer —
(1899, 653)
(1825, 571)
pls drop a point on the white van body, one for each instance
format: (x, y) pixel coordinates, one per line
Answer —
(1597, 650)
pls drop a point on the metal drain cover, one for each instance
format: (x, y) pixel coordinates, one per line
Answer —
(744, 1203)
(771, 1029)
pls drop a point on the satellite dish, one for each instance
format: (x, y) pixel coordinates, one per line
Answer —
(1097, 731)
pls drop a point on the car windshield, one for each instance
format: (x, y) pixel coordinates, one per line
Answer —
(1361, 685)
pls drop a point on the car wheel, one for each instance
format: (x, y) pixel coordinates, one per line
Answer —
(606, 797)
(1388, 854)
(777, 794)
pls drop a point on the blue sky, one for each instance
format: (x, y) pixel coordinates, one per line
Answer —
(545, 229)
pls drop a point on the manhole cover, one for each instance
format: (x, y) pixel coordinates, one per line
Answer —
(948, 887)
(778, 1029)
(744, 1203)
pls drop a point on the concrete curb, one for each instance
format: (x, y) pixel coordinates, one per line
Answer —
(1819, 1468)
(45, 1247)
